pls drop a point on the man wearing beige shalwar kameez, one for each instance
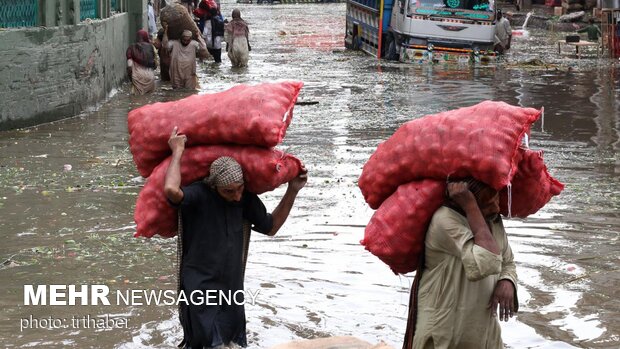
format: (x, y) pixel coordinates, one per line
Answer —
(183, 54)
(468, 273)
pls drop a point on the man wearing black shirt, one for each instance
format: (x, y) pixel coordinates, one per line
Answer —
(213, 212)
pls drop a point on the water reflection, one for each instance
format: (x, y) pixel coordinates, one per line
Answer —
(607, 118)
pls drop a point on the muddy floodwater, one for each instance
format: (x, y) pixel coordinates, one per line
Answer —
(68, 190)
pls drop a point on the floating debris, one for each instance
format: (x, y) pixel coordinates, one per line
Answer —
(306, 102)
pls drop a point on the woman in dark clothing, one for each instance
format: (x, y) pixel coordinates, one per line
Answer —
(211, 25)
(213, 212)
(141, 63)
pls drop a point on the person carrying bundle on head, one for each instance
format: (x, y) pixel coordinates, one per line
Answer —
(183, 54)
(466, 275)
(212, 243)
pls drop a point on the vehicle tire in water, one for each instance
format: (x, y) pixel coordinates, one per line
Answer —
(389, 49)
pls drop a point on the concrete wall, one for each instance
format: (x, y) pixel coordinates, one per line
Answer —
(51, 73)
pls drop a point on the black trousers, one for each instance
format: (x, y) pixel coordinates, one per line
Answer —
(217, 54)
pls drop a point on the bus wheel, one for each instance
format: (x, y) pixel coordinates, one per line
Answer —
(390, 49)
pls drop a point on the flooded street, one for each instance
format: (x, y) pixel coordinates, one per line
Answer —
(68, 191)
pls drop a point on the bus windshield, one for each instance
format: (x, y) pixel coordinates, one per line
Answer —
(475, 5)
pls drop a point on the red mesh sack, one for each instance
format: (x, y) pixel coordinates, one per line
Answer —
(263, 170)
(204, 7)
(210, 3)
(397, 230)
(200, 12)
(252, 115)
(532, 186)
(479, 141)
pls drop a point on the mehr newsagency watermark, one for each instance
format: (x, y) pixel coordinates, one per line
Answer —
(101, 295)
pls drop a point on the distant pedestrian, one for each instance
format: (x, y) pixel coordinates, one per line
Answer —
(237, 36)
(151, 19)
(141, 64)
(183, 54)
(213, 33)
(156, 7)
(594, 32)
(164, 56)
(503, 33)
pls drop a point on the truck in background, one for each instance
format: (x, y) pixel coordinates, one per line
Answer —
(422, 30)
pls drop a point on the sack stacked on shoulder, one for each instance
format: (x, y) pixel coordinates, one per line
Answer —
(178, 20)
(263, 170)
(244, 122)
(405, 178)
(247, 115)
(532, 186)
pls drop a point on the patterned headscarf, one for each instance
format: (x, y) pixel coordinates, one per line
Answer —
(224, 171)
(475, 186)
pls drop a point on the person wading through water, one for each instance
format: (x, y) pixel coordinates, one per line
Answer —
(237, 37)
(141, 64)
(164, 56)
(212, 244)
(466, 274)
(503, 33)
(183, 56)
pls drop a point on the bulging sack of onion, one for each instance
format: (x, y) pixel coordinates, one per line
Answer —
(532, 186)
(263, 170)
(479, 141)
(247, 115)
(178, 20)
(396, 231)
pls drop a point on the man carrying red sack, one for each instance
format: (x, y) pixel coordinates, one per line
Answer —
(212, 243)
(468, 272)
(183, 54)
